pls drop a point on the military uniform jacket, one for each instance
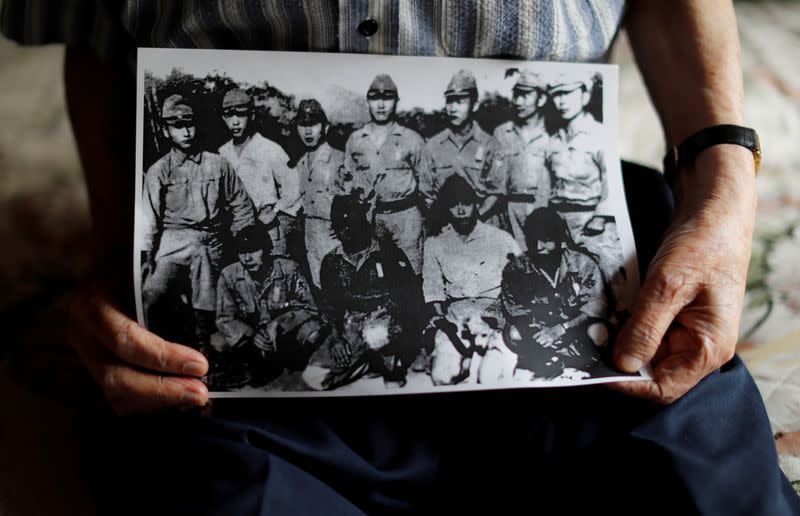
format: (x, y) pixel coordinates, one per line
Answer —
(383, 279)
(576, 164)
(244, 304)
(466, 156)
(198, 191)
(518, 164)
(263, 168)
(321, 179)
(577, 287)
(397, 170)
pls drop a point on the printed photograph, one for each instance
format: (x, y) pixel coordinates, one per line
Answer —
(368, 225)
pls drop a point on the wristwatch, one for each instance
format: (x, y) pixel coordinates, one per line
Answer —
(684, 154)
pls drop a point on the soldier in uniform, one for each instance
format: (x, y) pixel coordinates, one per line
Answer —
(387, 162)
(192, 200)
(263, 167)
(319, 172)
(519, 148)
(554, 298)
(575, 162)
(461, 274)
(370, 293)
(462, 148)
(266, 317)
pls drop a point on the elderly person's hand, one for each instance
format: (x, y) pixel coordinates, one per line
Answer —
(136, 370)
(686, 319)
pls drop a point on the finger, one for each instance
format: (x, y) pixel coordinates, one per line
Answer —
(666, 290)
(132, 343)
(130, 390)
(676, 373)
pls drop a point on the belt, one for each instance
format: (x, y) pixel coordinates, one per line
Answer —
(398, 205)
(522, 197)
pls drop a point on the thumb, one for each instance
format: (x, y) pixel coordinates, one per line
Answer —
(665, 292)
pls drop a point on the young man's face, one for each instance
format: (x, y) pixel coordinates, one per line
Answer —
(181, 133)
(237, 119)
(463, 216)
(570, 103)
(381, 106)
(527, 102)
(252, 260)
(310, 134)
(458, 109)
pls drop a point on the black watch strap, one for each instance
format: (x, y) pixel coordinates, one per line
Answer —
(684, 154)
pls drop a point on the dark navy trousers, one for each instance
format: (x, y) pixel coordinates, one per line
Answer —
(563, 450)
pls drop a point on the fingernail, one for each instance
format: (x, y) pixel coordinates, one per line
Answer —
(630, 363)
(194, 399)
(194, 368)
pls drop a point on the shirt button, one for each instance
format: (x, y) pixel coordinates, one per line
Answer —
(368, 27)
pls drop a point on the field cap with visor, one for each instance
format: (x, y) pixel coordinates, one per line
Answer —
(310, 112)
(382, 87)
(236, 102)
(177, 112)
(528, 81)
(565, 83)
(461, 85)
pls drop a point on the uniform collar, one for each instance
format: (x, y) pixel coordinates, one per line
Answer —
(582, 124)
(323, 153)
(461, 141)
(477, 233)
(373, 248)
(538, 124)
(180, 157)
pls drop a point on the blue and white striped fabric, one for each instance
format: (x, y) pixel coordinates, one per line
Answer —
(554, 30)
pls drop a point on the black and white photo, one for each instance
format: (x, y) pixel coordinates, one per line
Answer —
(364, 225)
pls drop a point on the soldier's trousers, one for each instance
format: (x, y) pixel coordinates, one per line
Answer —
(187, 263)
(320, 240)
(404, 228)
(551, 451)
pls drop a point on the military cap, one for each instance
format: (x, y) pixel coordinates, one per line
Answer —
(346, 208)
(309, 112)
(253, 238)
(462, 83)
(176, 107)
(545, 224)
(382, 83)
(563, 83)
(456, 189)
(529, 81)
(236, 98)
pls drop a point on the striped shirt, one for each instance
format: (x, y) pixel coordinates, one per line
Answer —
(547, 30)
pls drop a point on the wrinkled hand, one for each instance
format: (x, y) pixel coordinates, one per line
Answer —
(136, 370)
(547, 337)
(686, 319)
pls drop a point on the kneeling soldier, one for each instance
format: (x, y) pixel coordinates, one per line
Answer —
(266, 317)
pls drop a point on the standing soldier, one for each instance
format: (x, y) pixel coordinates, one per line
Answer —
(461, 275)
(575, 161)
(192, 201)
(518, 150)
(387, 162)
(319, 172)
(462, 147)
(266, 317)
(263, 167)
(554, 298)
(370, 293)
